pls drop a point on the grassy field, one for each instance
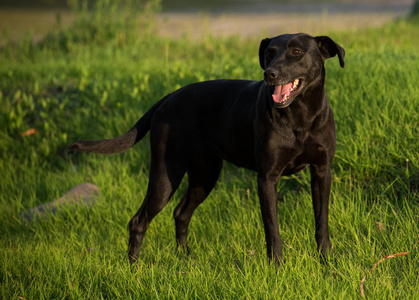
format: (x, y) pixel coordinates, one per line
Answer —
(95, 82)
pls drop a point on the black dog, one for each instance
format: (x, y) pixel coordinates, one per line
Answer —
(275, 127)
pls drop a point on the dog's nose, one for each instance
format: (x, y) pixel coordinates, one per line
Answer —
(270, 74)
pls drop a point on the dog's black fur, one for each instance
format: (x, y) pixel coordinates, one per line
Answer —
(248, 123)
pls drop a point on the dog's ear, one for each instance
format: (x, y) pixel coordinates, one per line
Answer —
(328, 48)
(263, 45)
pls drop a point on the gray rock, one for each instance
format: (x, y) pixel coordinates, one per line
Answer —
(82, 194)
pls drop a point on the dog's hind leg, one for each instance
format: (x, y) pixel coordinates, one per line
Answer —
(203, 173)
(158, 194)
(166, 172)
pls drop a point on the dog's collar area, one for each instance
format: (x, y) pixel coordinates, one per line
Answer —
(284, 94)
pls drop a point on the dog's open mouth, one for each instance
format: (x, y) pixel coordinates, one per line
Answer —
(284, 94)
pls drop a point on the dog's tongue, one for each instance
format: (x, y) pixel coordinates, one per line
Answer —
(281, 91)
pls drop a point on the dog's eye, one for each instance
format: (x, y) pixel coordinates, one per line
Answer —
(296, 51)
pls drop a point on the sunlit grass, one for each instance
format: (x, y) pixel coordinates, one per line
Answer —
(99, 89)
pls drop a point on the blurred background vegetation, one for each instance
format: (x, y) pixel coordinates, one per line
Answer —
(177, 18)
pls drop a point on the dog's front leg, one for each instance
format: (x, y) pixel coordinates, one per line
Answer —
(268, 204)
(320, 191)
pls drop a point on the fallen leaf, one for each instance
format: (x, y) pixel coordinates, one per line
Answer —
(28, 132)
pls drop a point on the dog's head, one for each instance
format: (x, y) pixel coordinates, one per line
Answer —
(293, 61)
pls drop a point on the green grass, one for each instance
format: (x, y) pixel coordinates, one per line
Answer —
(79, 85)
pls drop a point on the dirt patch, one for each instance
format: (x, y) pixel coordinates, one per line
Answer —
(197, 26)
(266, 18)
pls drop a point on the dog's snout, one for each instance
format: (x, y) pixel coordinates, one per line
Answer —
(270, 74)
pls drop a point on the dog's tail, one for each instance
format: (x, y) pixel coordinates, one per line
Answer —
(120, 143)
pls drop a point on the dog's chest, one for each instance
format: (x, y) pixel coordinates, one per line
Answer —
(305, 149)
